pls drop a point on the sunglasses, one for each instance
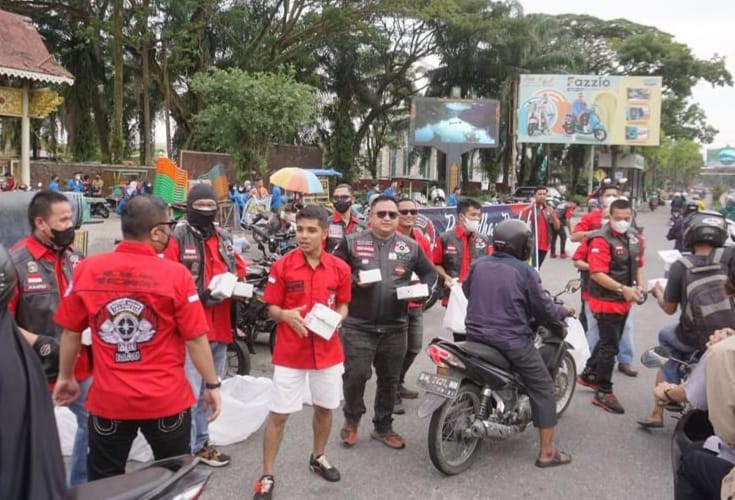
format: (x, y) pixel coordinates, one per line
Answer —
(169, 223)
(386, 213)
(407, 211)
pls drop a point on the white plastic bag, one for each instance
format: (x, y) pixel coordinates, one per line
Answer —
(580, 348)
(456, 310)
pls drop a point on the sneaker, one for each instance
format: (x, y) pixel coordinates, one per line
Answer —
(406, 393)
(391, 439)
(348, 435)
(212, 457)
(564, 255)
(553, 256)
(320, 466)
(608, 402)
(587, 380)
(263, 489)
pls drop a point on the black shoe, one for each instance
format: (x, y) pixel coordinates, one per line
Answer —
(406, 393)
(323, 468)
(627, 369)
(398, 408)
(608, 402)
(264, 488)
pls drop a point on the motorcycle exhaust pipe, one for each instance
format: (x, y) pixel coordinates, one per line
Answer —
(493, 430)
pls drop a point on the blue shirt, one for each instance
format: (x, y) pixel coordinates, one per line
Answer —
(389, 192)
(452, 201)
(53, 186)
(74, 185)
(503, 295)
(579, 107)
(276, 198)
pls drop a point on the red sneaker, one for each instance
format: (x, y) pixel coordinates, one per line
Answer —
(553, 256)
(564, 255)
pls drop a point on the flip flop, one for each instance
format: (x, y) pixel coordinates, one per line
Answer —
(556, 460)
(651, 424)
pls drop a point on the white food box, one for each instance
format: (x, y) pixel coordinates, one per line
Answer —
(652, 283)
(322, 321)
(369, 276)
(418, 291)
(669, 256)
(223, 285)
(244, 290)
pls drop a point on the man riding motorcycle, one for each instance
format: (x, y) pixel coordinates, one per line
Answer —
(499, 316)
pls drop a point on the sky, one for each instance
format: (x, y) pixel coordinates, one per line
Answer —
(706, 26)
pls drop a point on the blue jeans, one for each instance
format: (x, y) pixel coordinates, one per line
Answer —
(667, 338)
(78, 464)
(625, 350)
(199, 424)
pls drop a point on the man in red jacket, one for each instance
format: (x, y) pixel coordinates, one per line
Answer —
(541, 218)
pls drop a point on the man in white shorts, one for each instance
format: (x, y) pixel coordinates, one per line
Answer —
(300, 279)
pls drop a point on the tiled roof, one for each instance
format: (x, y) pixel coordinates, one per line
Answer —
(23, 53)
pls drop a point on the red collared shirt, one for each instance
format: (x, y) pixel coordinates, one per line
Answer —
(599, 258)
(581, 254)
(39, 252)
(293, 283)
(218, 316)
(141, 309)
(423, 242)
(541, 223)
(590, 222)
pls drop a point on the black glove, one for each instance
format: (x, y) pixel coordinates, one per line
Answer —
(47, 349)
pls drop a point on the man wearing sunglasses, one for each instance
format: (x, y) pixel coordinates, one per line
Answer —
(344, 221)
(407, 215)
(375, 330)
(207, 251)
(143, 312)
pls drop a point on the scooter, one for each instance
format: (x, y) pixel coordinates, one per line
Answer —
(176, 478)
(594, 126)
(475, 395)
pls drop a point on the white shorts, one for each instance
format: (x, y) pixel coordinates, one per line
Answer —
(290, 388)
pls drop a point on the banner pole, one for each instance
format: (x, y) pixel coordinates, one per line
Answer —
(535, 236)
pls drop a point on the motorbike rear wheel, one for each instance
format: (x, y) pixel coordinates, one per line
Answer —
(452, 448)
(564, 383)
(238, 359)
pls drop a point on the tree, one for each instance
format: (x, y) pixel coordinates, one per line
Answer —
(675, 163)
(244, 113)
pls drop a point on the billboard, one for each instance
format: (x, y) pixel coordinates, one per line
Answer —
(720, 158)
(588, 109)
(464, 124)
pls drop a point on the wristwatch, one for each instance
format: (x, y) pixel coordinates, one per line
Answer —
(213, 386)
(619, 289)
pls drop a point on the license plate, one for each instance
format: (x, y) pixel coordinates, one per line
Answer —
(439, 384)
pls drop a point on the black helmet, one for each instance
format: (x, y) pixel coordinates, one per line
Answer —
(705, 227)
(513, 237)
(8, 278)
(690, 207)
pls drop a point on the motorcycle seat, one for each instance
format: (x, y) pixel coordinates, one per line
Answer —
(129, 486)
(485, 352)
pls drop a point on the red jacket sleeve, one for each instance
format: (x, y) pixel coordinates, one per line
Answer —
(438, 252)
(599, 256)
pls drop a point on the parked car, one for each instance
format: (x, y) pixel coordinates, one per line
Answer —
(522, 194)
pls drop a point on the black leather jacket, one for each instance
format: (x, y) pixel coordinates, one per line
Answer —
(375, 307)
(624, 252)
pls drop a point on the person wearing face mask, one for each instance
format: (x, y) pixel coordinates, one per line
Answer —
(207, 251)
(44, 263)
(616, 273)
(541, 219)
(592, 221)
(344, 221)
(144, 313)
(457, 248)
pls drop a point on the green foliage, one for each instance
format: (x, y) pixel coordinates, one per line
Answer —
(244, 113)
(675, 162)
(717, 191)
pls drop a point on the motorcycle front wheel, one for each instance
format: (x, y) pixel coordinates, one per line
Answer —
(238, 359)
(564, 383)
(452, 448)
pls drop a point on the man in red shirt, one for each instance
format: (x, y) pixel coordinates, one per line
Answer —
(207, 251)
(44, 263)
(593, 220)
(344, 221)
(144, 313)
(407, 215)
(616, 272)
(541, 219)
(298, 281)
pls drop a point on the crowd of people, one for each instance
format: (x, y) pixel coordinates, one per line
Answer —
(157, 327)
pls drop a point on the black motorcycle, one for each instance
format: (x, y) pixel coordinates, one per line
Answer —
(475, 395)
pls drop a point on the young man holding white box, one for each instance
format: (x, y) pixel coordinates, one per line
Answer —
(307, 293)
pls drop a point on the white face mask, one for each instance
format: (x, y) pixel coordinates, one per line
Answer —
(620, 226)
(471, 225)
(607, 200)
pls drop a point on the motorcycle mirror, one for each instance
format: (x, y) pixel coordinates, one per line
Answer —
(656, 357)
(573, 285)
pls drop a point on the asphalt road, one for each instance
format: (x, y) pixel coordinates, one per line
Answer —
(613, 457)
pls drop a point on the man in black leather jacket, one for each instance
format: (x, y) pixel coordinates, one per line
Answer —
(375, 330)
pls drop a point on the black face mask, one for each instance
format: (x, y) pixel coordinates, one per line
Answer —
(62, 239)
(202, 220)
(342, 205)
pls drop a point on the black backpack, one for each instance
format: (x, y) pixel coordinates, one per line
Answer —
(708, 308)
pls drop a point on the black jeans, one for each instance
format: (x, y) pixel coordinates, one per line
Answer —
(415, 339)
(561, 233)
(699, 476)
(529, 365)
(602, 360)
(364, 349)
(110, 441)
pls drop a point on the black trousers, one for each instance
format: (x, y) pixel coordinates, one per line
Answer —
(699, 476)
(528, 363)
(561, 233)
(110, 441)
(415, 339)
(602, 360)
(363, 350)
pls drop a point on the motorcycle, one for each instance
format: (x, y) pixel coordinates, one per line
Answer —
(658, 356)
(594, 126)
(474, 394)
(652, 203)
(176, 478)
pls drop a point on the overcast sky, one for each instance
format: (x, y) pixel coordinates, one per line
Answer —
(706, 26)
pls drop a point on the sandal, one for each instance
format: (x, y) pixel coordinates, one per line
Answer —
(648, 423)
(556, 460)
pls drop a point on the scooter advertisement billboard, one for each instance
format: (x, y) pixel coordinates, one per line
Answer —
(589, 109)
